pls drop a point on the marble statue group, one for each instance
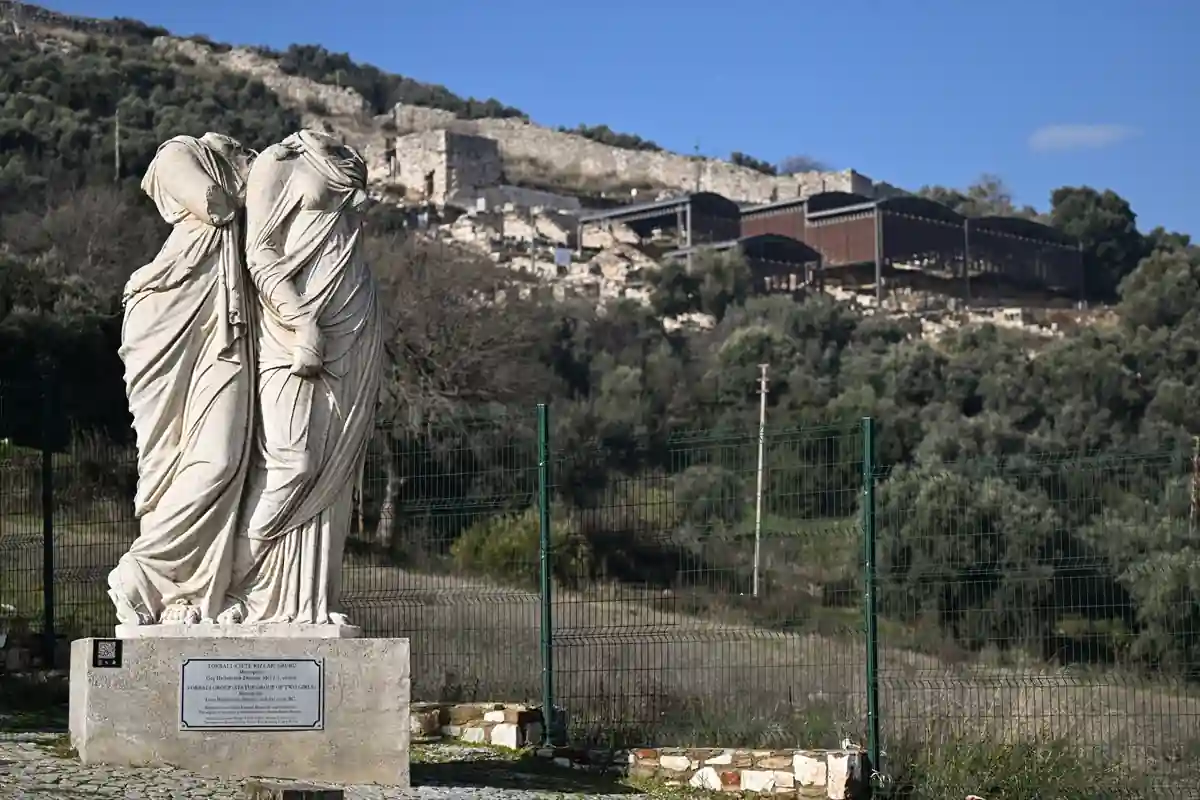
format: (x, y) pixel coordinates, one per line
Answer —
(252, 351)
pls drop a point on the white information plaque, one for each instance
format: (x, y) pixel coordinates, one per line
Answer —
(252, 694)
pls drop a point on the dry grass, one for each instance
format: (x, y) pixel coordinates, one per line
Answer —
(633, 665)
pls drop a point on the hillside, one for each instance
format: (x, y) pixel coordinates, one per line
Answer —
(1036, 495)
(370, 107)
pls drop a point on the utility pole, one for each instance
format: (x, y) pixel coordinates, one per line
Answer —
(758, 495)
(1195, 499)
(532, 237)
(117, 146)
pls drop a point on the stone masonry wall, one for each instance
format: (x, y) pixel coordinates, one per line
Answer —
(419, 155)
(502, 724)
(575, 155)
(462, 166)
(835, 774)
(592, 162)
(473, 163)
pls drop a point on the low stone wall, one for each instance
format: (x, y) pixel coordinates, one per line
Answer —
(836, 774)
(502, 724)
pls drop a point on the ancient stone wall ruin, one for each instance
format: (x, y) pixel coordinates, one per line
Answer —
(441, 166)
(527, 147)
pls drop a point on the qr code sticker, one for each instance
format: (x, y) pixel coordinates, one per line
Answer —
(106, 650)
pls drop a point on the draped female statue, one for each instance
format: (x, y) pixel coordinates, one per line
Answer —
(319, 345)
(189, 380)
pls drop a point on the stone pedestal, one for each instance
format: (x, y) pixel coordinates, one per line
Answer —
(328, 709)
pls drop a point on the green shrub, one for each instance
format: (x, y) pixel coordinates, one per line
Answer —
(606, 135)
(706, 494)
(507, 548)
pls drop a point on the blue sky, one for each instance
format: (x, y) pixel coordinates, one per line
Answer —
(1043, 93)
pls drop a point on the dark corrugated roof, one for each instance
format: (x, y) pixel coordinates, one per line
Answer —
(765, 246)
(704, 201)
(828, 205)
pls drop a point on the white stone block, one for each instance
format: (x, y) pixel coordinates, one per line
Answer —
(706, 778)
(675, 763)
(784, 780)
(841, 771)
(507, 734)
(131, 713)
(474, 735)
(758, 780)
(809, 770)
(493, 716)
(720, 760)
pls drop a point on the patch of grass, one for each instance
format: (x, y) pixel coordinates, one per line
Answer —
(456, 752)
(1036, 768)
(498, 768)
(33, 721)
(60, 747)
(664, 791)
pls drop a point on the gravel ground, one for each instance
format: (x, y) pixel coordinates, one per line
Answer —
(37, 766)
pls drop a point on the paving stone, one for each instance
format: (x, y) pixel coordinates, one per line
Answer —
(36, 767)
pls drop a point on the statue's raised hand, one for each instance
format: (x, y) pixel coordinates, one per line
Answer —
(221, 207)
(307, 356)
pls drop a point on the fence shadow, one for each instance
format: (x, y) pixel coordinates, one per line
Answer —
(527, 772)
(33, 702)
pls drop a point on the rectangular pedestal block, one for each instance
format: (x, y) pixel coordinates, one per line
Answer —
(327, 710)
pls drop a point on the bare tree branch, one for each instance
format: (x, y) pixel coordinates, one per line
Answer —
(459, 333)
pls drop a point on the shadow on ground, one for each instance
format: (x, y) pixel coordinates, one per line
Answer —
(32, 703)
(528, 772)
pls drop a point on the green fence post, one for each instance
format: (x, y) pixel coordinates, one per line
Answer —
(870, 609)
(549, 723)
(47, 456)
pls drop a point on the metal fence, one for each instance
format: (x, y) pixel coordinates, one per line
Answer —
(686, 590)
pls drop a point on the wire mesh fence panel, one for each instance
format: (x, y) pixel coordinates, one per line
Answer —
(21, 534)
(659, 634)
(444, 550)
(1039, 620)
(95, 481)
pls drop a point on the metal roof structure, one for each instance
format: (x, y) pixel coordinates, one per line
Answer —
(831, 204)
(704, 202)
(764, 247)
(852, 229)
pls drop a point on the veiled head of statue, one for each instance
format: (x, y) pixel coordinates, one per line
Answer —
(343, 158)
(238, 155)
